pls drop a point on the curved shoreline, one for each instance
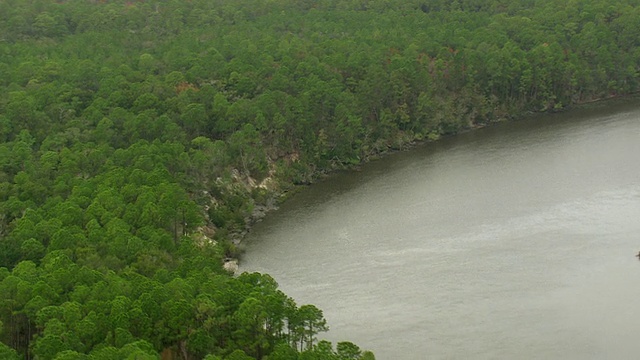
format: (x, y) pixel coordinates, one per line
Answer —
(276, 198)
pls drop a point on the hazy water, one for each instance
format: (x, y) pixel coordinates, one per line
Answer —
(510, 242)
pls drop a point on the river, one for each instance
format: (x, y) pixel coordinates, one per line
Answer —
(515, 241)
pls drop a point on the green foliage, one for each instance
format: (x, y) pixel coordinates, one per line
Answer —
(367, 355)
(283, 352)
(71, 355)
(238, 355)
(8, 353)
(138, 138)
(212, 357)
(304, 324)
(348, 351)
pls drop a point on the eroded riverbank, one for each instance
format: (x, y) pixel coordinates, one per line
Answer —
(447, 250)
(279, 192)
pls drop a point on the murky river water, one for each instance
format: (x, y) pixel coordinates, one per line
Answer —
(511, 242)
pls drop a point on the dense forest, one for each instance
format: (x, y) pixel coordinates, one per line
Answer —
(139, 139)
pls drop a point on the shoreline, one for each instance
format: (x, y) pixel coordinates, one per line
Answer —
(276, 198)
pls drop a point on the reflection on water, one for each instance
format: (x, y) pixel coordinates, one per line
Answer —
(515, 241)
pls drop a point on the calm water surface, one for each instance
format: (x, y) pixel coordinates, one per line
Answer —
(510, 242)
